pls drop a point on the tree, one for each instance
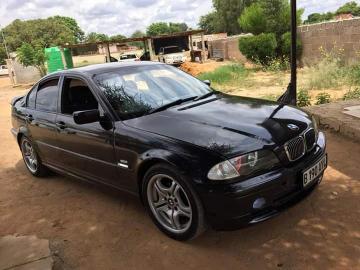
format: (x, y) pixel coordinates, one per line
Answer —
(253, 19)
(228, 13)
(157, 28)
(270, 17)
(138, 34)
(72, 25)
(43, 33)
(177, 27)
(210, 23)
(3, 55)
(350, 7)
(30, 56)
(93, 37)
(117, 37)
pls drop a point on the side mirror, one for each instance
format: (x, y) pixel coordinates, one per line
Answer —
(86, 117)
(208, 82)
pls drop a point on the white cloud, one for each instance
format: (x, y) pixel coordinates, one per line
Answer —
(126, 16)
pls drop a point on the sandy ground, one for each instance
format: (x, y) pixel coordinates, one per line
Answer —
(95, 228)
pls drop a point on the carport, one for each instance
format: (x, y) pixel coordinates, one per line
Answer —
(152, 44)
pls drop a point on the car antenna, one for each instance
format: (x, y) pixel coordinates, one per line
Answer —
(289, 97)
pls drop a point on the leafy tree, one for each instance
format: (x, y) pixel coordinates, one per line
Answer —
(43, 33)
(117, 37)
(30, 56)
(228, 13)
(93, 37)
(157, 28)
(210, 23)
(318, 17)
(350, 7)
(177, 27)
(3, 55)
(72, 25)
(253, 19)
(138, 34)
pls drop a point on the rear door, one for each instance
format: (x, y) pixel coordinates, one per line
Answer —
(41, 114)
(86, 150)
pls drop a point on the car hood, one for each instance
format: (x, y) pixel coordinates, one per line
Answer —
(229, 125)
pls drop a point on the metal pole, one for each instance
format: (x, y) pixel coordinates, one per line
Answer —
(289, 97)
(293, 52)
(4, 41)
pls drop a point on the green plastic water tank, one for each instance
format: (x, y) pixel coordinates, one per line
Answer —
(54, 59)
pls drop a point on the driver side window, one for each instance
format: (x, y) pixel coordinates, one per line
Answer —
(77, 96)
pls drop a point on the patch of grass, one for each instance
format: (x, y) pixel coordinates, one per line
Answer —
(323, 98)
(303, 98)
(271, 97)
(352, 94)
(226, 74)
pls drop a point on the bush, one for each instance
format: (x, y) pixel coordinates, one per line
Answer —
(278, 64)
(285, 45)
(303, 98)
(352, 94)
(330, 72)
(225, 74)
(323, 98)
(354, 74)
(260, 48)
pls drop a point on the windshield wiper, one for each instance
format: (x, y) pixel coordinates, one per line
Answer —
(205, 95)
(171, 104)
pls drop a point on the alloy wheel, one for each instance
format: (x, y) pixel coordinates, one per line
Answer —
(169, 203)
(29, 156)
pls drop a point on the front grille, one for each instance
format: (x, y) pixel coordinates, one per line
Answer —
(295, 148)
(310, 139)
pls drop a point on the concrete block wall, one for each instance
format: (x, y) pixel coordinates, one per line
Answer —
(343, 34)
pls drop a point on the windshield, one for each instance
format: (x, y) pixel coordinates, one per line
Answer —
(168, 50)
(127, 56)
(135, 91)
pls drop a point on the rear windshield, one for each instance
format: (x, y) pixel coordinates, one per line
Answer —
(172, 50)
(127, 56)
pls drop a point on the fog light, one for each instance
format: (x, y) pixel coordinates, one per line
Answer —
(259, 203)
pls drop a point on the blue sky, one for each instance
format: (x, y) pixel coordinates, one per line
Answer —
(126, 16)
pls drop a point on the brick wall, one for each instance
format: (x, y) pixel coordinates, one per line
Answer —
(341, 34)
(227, 48)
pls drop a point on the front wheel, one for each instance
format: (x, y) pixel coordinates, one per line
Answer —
(172, 203)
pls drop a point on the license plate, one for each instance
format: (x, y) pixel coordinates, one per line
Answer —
(314, 172)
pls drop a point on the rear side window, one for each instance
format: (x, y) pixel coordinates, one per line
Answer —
(31, 99)
(47, 96)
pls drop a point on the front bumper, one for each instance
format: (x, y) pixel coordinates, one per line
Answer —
(231, 206)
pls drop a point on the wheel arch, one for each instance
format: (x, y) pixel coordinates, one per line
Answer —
(153, 158)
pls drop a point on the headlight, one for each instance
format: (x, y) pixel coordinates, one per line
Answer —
(243, 165)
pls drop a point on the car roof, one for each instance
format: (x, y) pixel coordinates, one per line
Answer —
(100, 68)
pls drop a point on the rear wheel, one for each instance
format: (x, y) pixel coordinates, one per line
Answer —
(172, 203)
(31, 158)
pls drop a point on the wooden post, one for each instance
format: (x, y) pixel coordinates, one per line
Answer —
(152, 55)
(191, 47)
(203, 51)
(63, 57)
(107, 51)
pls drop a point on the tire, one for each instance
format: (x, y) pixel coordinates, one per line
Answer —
(31, 158)
(172, 203)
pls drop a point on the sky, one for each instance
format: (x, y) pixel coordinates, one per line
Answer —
(125, 16)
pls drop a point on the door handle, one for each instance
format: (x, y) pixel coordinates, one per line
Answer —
(61, 125)
(29, 118)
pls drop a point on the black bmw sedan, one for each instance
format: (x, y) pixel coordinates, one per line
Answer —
(195, 156)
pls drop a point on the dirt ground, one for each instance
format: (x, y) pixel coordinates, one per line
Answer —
(95, 228)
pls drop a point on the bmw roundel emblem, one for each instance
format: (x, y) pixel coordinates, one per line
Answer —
(293, 127)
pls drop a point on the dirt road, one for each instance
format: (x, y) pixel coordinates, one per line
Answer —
(96, 228)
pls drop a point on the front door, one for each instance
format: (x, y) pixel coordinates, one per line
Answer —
(86, 150)
(41, 114)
